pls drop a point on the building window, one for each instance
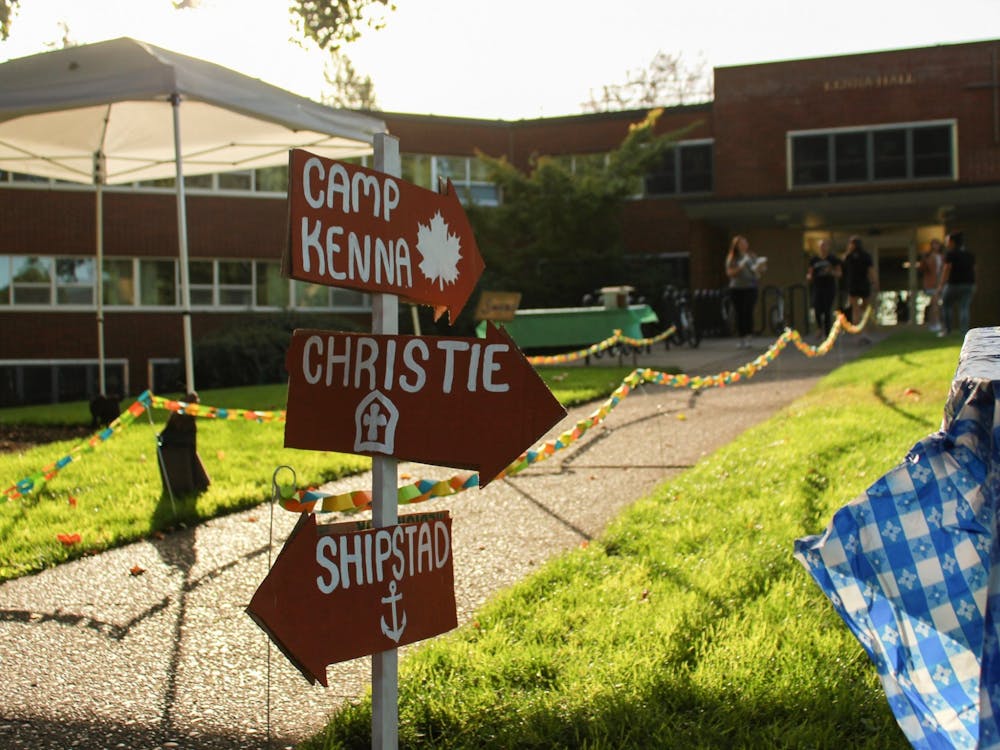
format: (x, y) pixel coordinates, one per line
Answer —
(696, 168)
(119, 281)
(468, 174)
(198, 181)
(686, 168)
(876, 154)
(271, 179)
(890, 154)
(272, 287)
(23, 382)
(241, 180)
(317, 296)
(311, 295)
(44, 281)
(75, 281)
(236, 283)
(5, 286)
(932, 152)
(350, 299)
(157, 283)
(416, 168)
(32, 280)
(811, 160)
(850, 157)
(201, 282)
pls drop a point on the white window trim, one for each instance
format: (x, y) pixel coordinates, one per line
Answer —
(792, 134)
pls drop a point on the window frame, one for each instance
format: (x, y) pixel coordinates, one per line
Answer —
(874, 160)
(676, 176)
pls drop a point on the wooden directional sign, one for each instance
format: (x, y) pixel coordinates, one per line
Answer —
(358, 228)
(334, 596)
(464, 402)
(497, 306)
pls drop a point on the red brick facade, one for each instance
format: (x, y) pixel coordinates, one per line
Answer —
(756, 108)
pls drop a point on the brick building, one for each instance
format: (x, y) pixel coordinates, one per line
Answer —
(897, 146)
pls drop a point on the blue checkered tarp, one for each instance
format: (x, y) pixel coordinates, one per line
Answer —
(909, 566)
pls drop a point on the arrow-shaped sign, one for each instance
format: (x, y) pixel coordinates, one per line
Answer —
(354, 227)
(462, 402)
(330, 596)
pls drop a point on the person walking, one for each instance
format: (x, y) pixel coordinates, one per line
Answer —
(957, 284)
(860, 279)
(743, 269)
(929, 267)
(822, 274)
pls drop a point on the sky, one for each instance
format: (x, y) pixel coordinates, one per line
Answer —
(508, 59)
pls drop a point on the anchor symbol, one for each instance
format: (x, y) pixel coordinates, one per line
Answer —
(396, 632)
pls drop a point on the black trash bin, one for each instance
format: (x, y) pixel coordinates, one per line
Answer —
(181, 469)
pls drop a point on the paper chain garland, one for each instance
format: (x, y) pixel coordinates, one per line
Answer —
(35, 481)
(616, 337)
(314, 501)
(145, 400)
(215, 412)
(426, 489)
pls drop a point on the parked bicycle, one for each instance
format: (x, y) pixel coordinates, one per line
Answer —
(680, 313)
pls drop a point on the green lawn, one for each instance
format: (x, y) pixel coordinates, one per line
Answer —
(113, 495)
(688, 624)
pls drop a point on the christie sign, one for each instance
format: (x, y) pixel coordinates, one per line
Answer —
(357, 228)
(470, 403)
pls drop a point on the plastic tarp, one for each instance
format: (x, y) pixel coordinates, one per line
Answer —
(58, 109)
(913, 566)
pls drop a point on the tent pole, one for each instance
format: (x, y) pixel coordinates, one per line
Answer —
(99, 223)
(182, 247)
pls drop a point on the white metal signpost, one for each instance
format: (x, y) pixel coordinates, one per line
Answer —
(385, 510)
(367, 229)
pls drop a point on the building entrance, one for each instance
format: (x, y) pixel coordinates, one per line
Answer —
(896, 253)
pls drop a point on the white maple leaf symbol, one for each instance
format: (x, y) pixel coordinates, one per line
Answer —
(439, 250)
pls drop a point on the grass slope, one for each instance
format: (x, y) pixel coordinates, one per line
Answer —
(113, 495)
(689, 624)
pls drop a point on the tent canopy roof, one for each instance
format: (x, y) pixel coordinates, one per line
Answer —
(58, 109)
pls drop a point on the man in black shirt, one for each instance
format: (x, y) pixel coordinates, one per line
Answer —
(957, 285)
(860, 278)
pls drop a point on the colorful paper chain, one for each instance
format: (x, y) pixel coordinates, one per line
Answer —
(145, 400)
(615, 338)
(315, 501)
(216, 412)
(35, 481)
(425, 489)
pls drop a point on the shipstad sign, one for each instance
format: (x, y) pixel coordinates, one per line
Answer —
(463, 402)
(336, 594)
(357, 228)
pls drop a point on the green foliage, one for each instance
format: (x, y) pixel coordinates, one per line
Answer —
(252, 351)
(557, 233)
(8, 8)
(689, 624)
(330, 23)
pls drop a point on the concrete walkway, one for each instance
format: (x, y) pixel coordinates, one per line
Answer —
(95, 657)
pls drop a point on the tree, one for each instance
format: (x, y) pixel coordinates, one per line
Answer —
(557, 233)
(667, 81)
(349, 90)
(329, 23)
(8, 8)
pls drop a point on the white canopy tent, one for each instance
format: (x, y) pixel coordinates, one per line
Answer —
(122, 111)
